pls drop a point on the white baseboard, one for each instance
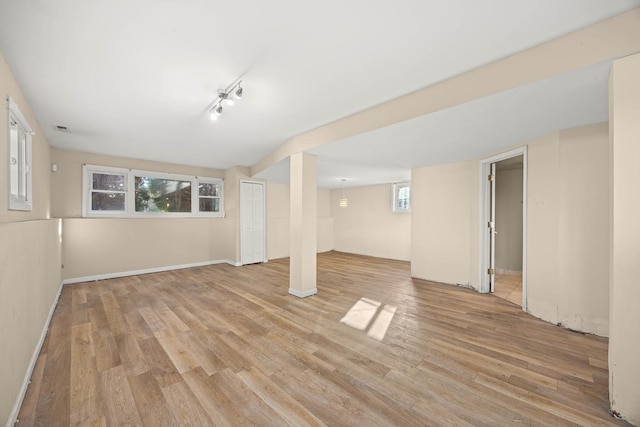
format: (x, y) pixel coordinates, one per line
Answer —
(303, 294)
(13, 416)
(147, 271)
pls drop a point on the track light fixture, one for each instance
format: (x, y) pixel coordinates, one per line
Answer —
(225, 98)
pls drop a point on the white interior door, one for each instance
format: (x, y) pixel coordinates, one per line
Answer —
(252, 222)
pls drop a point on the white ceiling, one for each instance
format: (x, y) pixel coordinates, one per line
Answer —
(135, 78)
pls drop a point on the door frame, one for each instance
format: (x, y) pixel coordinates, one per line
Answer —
(484, 191)
(264, 217)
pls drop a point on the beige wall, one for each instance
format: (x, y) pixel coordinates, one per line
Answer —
(444, 226)
(104, 246)
(277, 213)
(29, 284)
(66, 183)
(568, 231)
(367, 226)
(97, 247)
(29, 261)
(567, 235)
(40, 156)
(325, 222)
(278, 221)
(624, 344)
(509, 219)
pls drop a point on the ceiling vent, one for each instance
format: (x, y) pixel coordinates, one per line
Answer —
(61, 128)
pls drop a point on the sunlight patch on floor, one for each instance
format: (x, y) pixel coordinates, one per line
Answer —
(364, 311)
(361, 313)
(379, 328)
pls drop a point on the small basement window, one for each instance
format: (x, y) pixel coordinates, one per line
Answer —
(19, 161)
(401, 197)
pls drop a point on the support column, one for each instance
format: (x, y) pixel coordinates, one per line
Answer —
(304, 230)
(624, 284)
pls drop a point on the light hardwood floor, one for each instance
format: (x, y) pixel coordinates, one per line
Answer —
(224, 345)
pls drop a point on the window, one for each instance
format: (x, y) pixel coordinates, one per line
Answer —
(116, 192)
(20, 134)
(162, 195)
(401, 197)
(108, 191)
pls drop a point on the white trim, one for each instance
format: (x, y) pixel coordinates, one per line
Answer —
(485, 164)
(15, 110)
(147, 271)
(13, 415)
(304, 294)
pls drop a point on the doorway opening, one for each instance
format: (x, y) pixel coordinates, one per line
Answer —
(503, 226)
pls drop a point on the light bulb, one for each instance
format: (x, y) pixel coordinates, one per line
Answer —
(229, 102)
(238, 93)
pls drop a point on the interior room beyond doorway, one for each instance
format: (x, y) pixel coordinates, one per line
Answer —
(509, 229)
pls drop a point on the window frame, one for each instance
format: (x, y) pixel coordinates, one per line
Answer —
(395, 190)
(129, 208)
(23, 157)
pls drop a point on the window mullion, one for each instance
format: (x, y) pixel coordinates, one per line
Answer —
(195, 196)
(130, 203)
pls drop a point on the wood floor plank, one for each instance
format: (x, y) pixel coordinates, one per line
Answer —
(548, 405)
(187, 409)
(53, 406)
(288, 408)
(131, 356)
(160, 365)
(180, 356)
(117, 401)
(228, 346)
(150, 401)
(220, 408)
(106, 350)
(256, 411)
(85, 403)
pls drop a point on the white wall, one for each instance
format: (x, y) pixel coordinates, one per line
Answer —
(367, 226)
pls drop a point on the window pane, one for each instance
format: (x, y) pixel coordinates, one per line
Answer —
(162, 195)
(107, 201)
(208, 189)
(14, 162)
(108, 182)
(404, 197)
(209, 205)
